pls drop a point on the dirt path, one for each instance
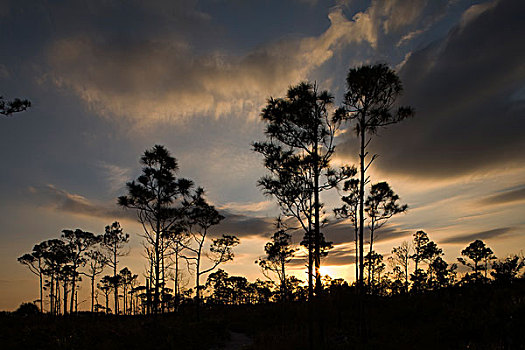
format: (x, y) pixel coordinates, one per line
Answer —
(238, 341)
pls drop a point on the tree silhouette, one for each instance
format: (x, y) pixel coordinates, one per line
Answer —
(380, 205)
(96, 263)
(175, 239)
(300, 147)
(440, 274)
(368, 102)
(479, 253)
(127, 280)
(200, 217)
(78, 242)
(419, 242)
(218, 281)
(349, 210)
(27, 309)
(106, 284)
(153, 195)
(9, 107)
(56, 255)
(291, 184)
(505, 271)
(35, 262)
(113, 242)
(278, 253)
(401, 256)
(431, 253)
(375, 264)
(66, 275)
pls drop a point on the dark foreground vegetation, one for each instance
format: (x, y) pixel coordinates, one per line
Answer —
(483, 316)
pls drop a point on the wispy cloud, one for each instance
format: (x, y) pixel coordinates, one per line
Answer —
(53, 198)
(474, 11)
(248, 207)
(340, 232)
(115, 175)
(504, 197)
(489, 234)
(243, 225)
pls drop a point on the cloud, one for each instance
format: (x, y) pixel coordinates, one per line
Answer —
(504, 197)
(407, 37)
(341, 232)
(467, 238)
(474, 11)
(400, 13)
(116, 176)
(243, 225)
(248, 207)
(460, 87)
(341, 254)
(166, 79)
(51, 197)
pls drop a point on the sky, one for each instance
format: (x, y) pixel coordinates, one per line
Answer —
(109, 79)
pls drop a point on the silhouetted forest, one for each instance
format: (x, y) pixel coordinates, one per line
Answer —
(411, 298)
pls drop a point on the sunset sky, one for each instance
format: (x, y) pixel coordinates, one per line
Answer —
(109, 79)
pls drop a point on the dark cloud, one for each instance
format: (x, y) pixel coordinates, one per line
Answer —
(54, 198)
(338, 232)
(508, 196)
(339, 256)
(464, 89)
(343, 254)
(495, 233)
(243, 225)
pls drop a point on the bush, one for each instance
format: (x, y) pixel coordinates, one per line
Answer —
(27, 309)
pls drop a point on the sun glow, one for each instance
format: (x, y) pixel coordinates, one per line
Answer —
(338, 271)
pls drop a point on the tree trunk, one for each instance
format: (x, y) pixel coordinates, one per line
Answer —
(65, 296)
(310, 262)
(148, 297)
(356, 231)
(92, 293)
(370, 274)
(57, 296)
(115, 281)
(41, 286)
(73, 285)
(156, 297)
(317, 229)
(361, 203)
(163, 283)
(176, 286)
(124, 298)
(197, 283)
(52, 295)
(406, 273)
(283, 281)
